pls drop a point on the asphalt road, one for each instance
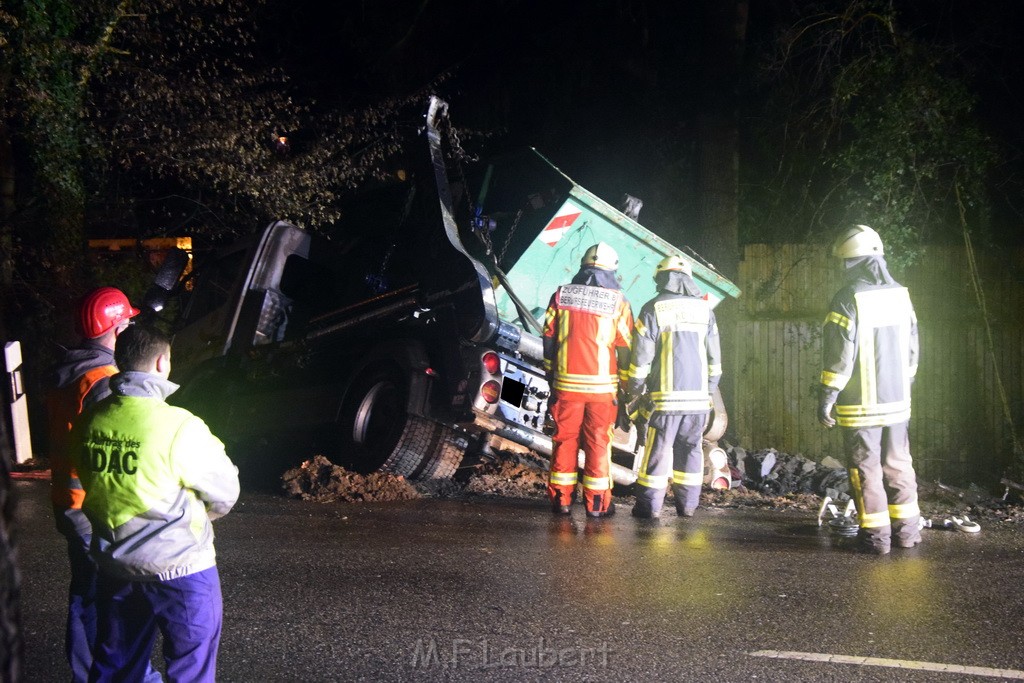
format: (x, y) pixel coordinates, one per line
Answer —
(501, 590)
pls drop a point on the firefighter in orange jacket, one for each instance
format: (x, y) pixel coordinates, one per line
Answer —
(80, 379)
(587, 330)
(869, 357)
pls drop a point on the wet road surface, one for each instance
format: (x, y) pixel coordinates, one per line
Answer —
(498, 589)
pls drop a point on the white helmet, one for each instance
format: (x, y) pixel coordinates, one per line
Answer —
(858, 241)
(600, 256)
(676, 264)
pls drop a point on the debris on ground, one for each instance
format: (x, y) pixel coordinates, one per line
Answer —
(773, 473)
(771, 479)
(508, 474)
(322, 481)
(517, 475)
(765, 479)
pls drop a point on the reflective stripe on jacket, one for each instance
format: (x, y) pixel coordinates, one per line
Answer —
(676, 352)
(870, 354)
(583, 326)
(156, 476)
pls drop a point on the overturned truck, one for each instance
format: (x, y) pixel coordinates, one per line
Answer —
(413, 334)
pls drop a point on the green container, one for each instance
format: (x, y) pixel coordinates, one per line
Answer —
(544, 222)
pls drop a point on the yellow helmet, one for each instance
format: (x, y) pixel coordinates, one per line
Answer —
(600, 256)
(859, 240)
(676, 264)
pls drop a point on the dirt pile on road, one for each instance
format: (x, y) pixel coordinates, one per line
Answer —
(322, 481)
(509, 474)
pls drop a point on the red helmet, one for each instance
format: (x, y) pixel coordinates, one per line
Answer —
(102, 310)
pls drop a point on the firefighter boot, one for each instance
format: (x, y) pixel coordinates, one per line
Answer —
(599, 509)
(687, 499)
(648, 502)
(906, 533)
(873, 541)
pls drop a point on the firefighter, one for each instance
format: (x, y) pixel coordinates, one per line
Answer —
(586, 344)
(155, 477)
(869, 359)
(79, 380)
(676, 358)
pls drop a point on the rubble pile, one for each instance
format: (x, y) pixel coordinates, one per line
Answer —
(770, 479)
(322, 481)
(741, 497)
(776, 474)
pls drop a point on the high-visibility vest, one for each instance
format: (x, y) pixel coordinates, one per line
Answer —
(870, 354)
(583, 327)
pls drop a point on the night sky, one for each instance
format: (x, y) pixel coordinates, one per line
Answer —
(608, 90)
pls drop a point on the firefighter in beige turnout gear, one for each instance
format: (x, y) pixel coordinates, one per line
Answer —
(869, 359)
(676, 356)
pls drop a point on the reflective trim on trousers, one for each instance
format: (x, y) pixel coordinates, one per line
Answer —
(687, 478)
(904, 511)
(597, 483)
(873, 520)
(653, 481)
(881, 475)
(563, 478)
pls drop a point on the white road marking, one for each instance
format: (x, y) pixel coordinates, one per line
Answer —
(908, 664)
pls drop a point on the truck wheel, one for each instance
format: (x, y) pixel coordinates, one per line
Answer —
(377, 431)
(413, 451)
(442, 461)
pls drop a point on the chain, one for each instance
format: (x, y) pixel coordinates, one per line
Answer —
(511, 232)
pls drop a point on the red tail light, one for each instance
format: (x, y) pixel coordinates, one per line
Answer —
(490, 391)
(491, 362)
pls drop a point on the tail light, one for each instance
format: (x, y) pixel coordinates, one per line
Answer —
(491, 362)
(491, 391)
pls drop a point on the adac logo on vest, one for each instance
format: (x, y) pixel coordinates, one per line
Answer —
(114, 462)
(113, 457)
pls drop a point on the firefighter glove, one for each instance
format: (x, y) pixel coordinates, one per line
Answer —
(825, 403)
(622, 420)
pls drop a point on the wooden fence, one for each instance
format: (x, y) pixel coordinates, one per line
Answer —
(960, 431)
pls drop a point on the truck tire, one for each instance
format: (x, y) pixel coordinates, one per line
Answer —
(379, 433)
(418, 440)
(445, 457)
